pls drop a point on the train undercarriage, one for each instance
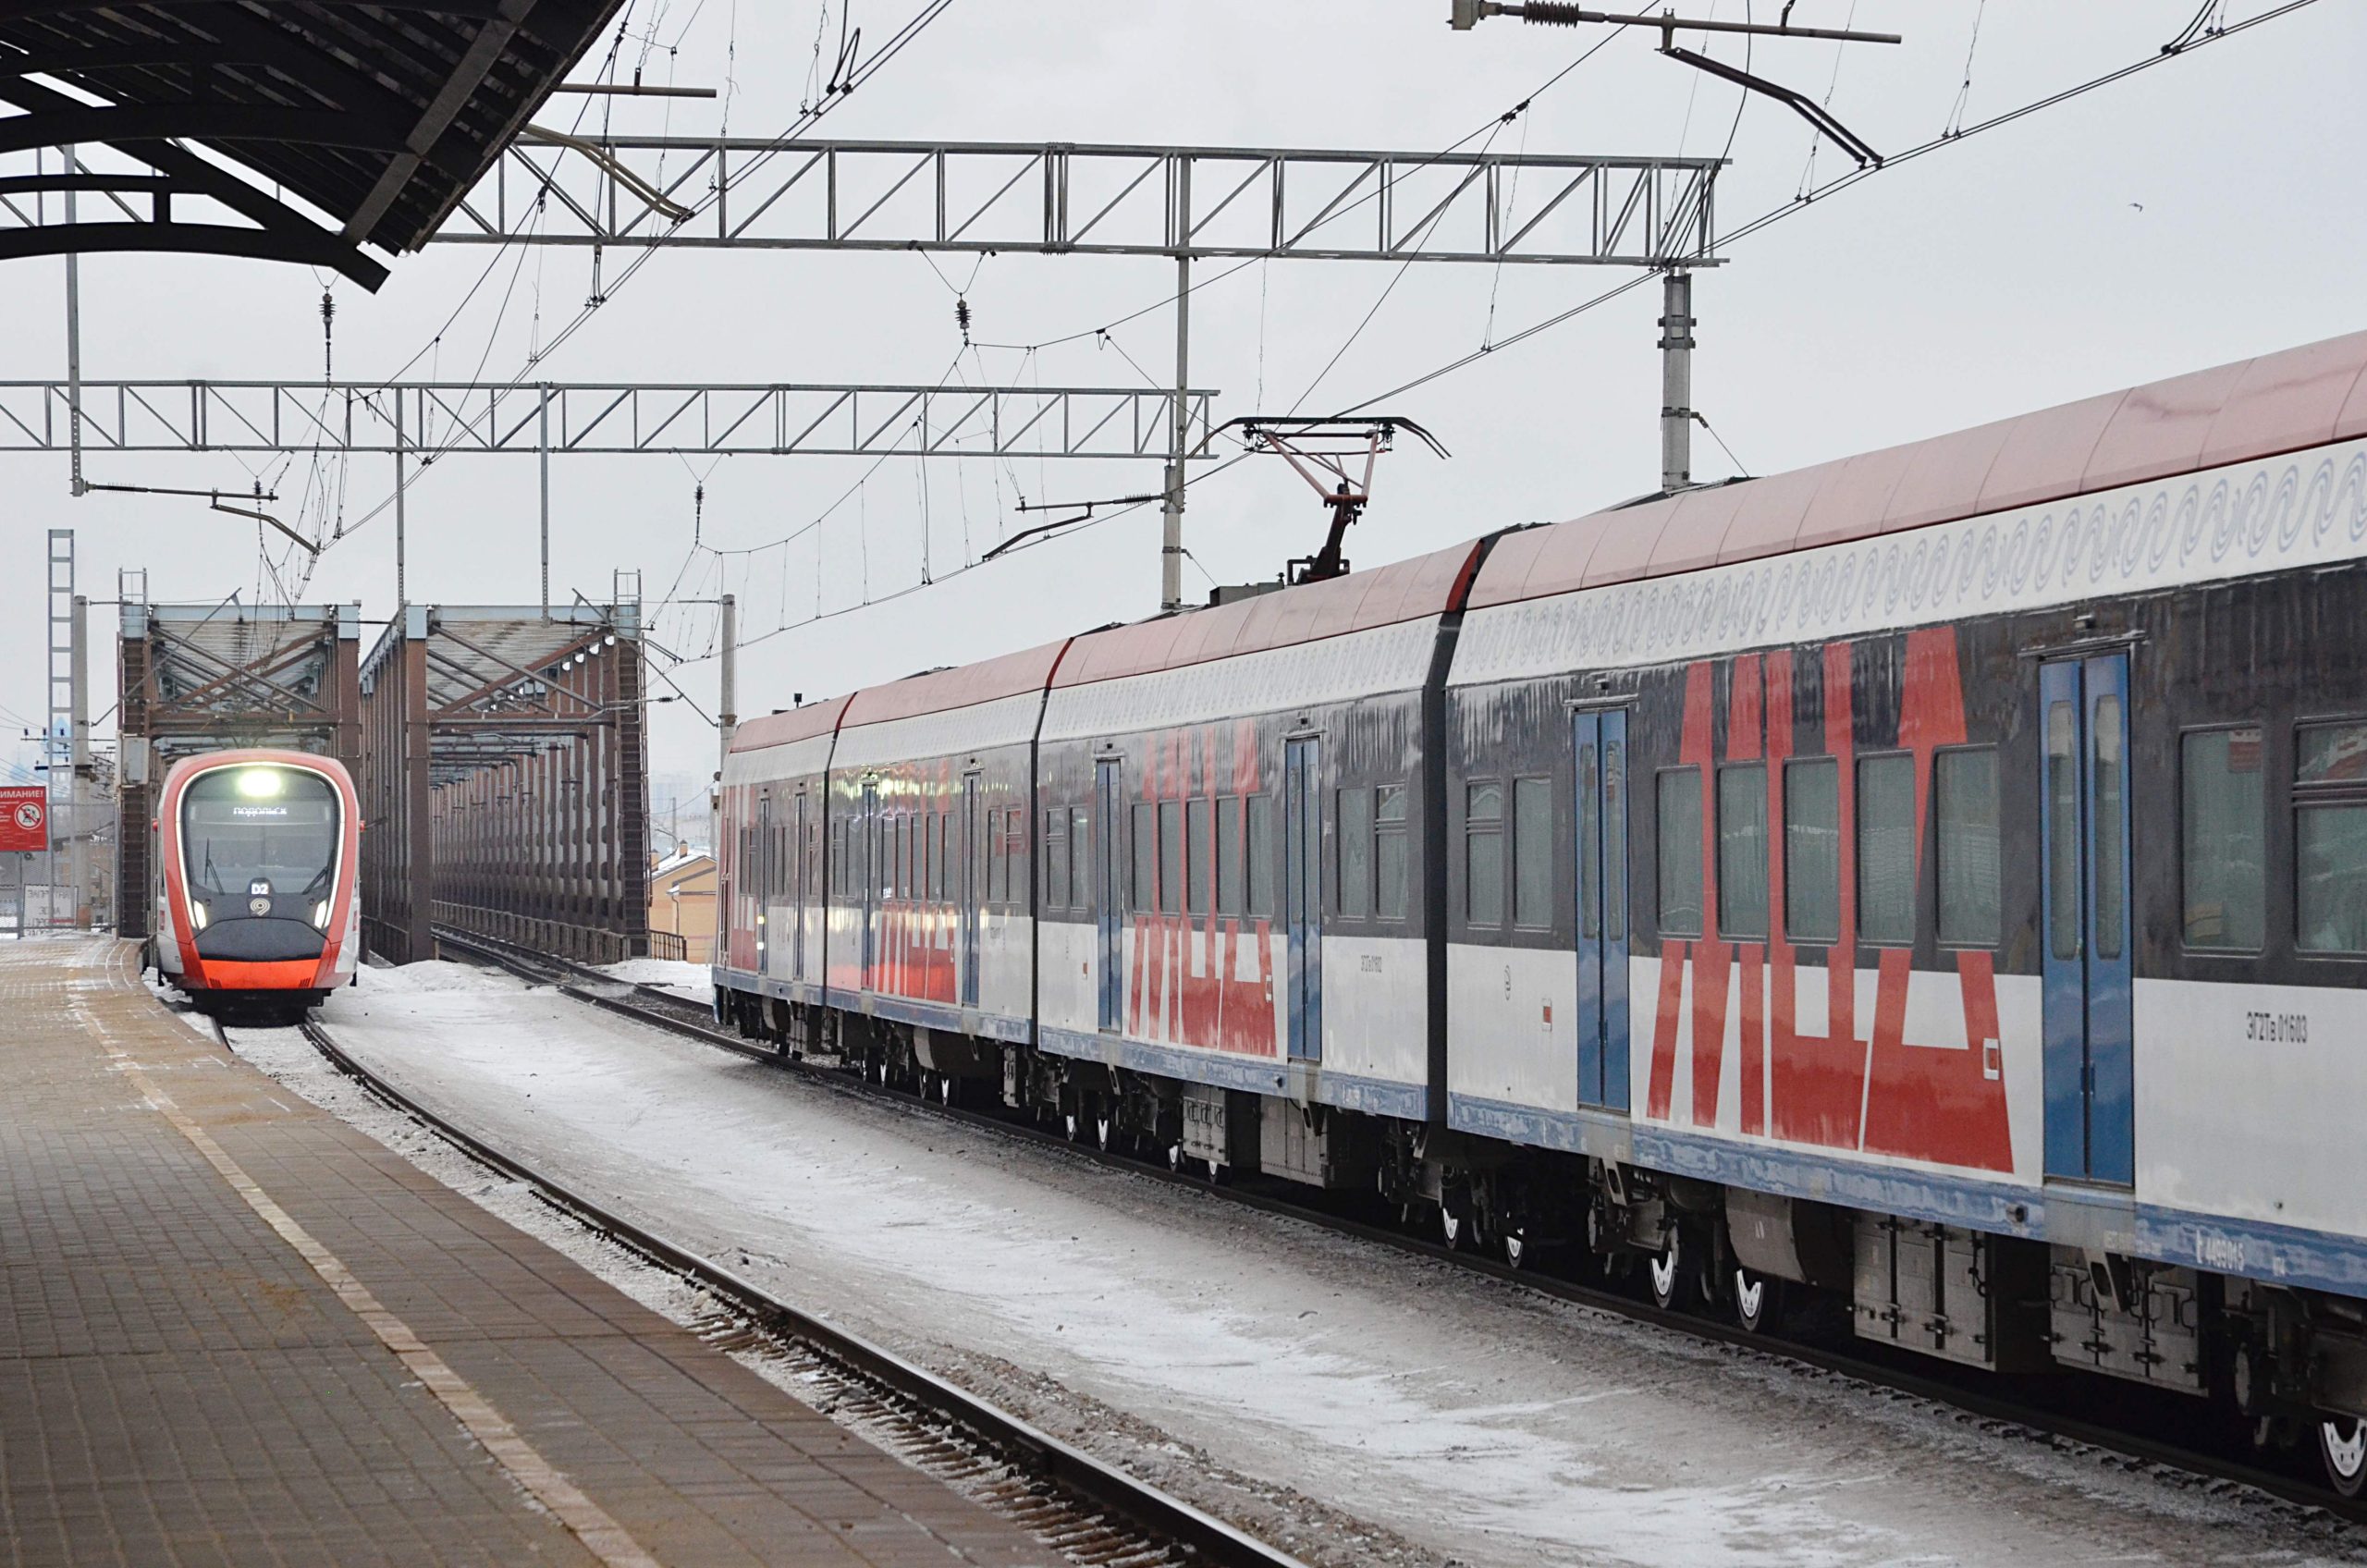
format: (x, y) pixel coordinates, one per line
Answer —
(2272, 1367)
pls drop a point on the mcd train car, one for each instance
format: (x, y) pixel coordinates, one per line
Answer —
(1934, 881)
(258, 909)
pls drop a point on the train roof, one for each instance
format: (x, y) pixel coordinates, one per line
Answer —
(1408, 589)
(795, 724)
(2238, 412)
(961, 686)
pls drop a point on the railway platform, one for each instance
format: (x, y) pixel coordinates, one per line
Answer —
(234, 1329)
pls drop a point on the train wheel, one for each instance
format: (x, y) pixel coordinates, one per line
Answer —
(1456, 1228)
(1105, 1133)
(1517, 1247)
(2342, 1449)
(1755, 1299)
(947, 1090)
(1175, 1158)
(1669, 1276)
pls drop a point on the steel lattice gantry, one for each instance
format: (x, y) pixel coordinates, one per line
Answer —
(503, 779)
(1119, 201)
(436, 419)
(203, 678)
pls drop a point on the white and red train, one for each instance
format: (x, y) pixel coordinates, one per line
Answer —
(258, 908)
(1938, 878)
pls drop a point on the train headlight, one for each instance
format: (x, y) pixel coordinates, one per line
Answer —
(197, 914)
(321, 914)
(260, 783)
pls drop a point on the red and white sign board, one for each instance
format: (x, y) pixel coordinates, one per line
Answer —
(24, 817)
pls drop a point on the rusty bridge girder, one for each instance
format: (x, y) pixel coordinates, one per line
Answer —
(505, 779)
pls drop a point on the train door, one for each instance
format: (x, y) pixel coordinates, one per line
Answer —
(974, 839)
(2084, 837)
(1303, 893)
(1108, 892)
(764, 877)
(874, 866)
(1601, 861)
(801, 875)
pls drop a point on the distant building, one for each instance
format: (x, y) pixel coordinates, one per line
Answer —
(681, 905)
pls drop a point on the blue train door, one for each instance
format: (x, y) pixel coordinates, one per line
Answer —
(874, 866)
(1303, 893)
(1601, 861)
(2088, 932)
(1108, 891)
(974, 860)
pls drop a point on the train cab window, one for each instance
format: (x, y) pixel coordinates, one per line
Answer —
(1229, 855)
(1080, 858)
(1967, 864)
(1355, 841)
(1812, 851)
(1170, 857)
(1742, 851)
(1483, 854)
(1533, 852)
(1259, 817)
(1680, 851)
(2330, 839)
(1887, 850)
(2223, 821)
(1388, 852)
(1146, 857)
(1199, 855)
(1056, 857)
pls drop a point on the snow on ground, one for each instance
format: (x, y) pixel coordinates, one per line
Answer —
(1364, 1406)
(693, 982)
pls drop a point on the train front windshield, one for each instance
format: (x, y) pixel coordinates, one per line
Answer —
(259, 841)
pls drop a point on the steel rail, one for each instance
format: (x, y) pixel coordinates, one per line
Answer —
(1903, 1376)
(1163, 1518)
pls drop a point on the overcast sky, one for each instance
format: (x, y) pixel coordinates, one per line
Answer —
(2204, 211)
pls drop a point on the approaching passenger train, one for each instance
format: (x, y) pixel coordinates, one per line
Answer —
(258, 863)
(1937, 878)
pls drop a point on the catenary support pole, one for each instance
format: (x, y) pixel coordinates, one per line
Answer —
(1676, 380)
(543, 439)
(727, 702)
(78, 789)
(1171, 551)
(401, 595)
(73, 335)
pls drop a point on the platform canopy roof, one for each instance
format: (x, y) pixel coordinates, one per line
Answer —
(379, 117)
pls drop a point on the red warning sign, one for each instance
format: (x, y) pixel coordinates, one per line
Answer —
(24, 817)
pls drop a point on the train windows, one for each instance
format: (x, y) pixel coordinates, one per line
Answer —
(1533, 852)
(1388, 852)
(1146, 857)
(1354, 841)
(1680, 851)
(1015, 849)
(2330, 839)
(1199, 855)
(1056, 857)
(1812, 851)
(1483, 854)
(1963, 800)
(2063, 827)
(1170, 856)
(1080, 858)
(2223, 820)
(1887, 850)
(1229, 855)
(1742, 851)
(1260, 819)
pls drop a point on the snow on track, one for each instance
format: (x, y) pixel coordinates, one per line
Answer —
(1274, 1373)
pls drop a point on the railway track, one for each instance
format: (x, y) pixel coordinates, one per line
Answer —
(2035, 1409)
(1090, 1512)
